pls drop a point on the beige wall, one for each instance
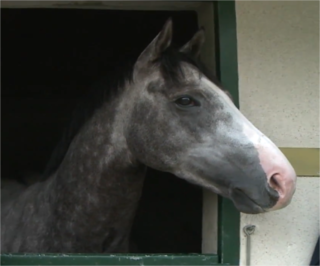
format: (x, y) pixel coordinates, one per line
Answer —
(278, 56)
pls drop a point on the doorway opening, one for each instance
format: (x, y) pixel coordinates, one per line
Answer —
(50, 58)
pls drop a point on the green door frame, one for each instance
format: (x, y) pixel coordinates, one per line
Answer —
(228, 216)
(227, 71)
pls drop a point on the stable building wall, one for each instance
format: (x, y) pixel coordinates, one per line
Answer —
(278, 63)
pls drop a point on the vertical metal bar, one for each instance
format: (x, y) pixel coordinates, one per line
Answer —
(248, 230)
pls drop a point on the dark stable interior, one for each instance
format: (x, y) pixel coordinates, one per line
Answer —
(50, 58)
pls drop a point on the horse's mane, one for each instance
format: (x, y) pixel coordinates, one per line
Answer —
(111, 86)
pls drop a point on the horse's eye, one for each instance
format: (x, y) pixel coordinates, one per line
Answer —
(186, 101)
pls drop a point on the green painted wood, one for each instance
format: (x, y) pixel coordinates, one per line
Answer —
(109, 259)
(227, 70)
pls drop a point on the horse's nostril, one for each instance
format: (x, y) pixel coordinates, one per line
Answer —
(273, 182)
(276, 183)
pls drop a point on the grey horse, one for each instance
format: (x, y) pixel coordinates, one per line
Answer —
(167, 113)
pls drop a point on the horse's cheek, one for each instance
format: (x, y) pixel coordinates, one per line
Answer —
(147, 136)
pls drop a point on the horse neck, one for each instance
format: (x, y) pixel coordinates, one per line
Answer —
(98, 185)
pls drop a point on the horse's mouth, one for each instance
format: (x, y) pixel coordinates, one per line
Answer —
(245, 204)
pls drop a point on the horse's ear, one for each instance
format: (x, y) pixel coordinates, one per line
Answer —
(193, 47)
(160, 43)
